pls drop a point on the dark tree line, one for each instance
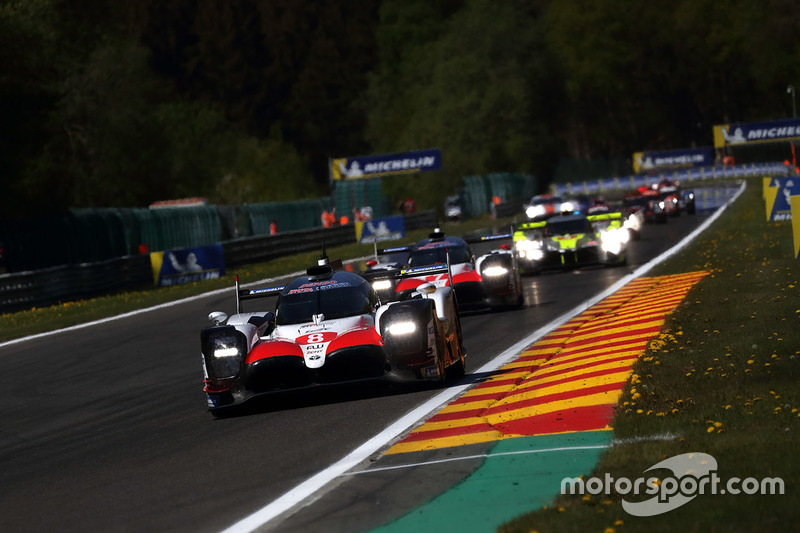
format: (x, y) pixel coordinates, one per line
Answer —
(113, 104)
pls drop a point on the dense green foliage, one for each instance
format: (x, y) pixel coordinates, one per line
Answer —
(107, 103)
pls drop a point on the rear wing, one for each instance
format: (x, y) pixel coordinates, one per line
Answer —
(252, 294)
(489, 238)
(522, 226)
(411, 272)
(604, 217)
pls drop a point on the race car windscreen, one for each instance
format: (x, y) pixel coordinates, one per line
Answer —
(437, 255)
(333, 301)
(567, 227)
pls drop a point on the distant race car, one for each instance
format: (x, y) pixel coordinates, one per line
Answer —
(647, 201)
(329, 327)
(677, 199)
(543, 206)
(491, 280)
(452, 208)
(572, 240)
(576, 205)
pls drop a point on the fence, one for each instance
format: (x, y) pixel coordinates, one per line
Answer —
(49, 286)
(693, 174)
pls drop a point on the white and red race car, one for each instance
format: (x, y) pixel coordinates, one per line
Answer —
(491, 280)
(329, 327)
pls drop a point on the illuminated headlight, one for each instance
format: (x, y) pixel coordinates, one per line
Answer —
(612, 241)
(402, 328)
(691, 196)
(632, 222)
(534, 211)
(382, 284)
(567, 207)
(528, 245)
(494, 271)
(226, 352)
(223, 352)
(661, 205)
(535, 254)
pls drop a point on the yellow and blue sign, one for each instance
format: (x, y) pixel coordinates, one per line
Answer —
(380, 229)
(776, 197)
(373, 166)
(175, 267)
(794, 201)
(756, 132)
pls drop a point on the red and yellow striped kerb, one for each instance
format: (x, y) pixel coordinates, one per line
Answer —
(569, 381)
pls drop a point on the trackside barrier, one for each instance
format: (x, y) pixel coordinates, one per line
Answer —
(693, 174)
(38, 288)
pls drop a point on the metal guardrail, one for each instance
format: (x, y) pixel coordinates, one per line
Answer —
(692, 174)
(25, 290)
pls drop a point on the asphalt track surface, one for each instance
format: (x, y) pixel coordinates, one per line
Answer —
(105, 428)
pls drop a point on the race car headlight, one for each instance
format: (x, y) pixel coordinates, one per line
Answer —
(223, 351)
(495, 271)
(567, 207)
(661, 205)
(611, 241)
(535, 254)
(402, 328)
(534, 211)
(382, 284)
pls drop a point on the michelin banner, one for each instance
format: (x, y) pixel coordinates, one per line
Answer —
(175, 267)
(670, 159)
(756, 132)
(777, 194)
(380, 229)
(373, 166)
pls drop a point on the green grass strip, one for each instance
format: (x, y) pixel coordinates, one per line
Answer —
(722, 377)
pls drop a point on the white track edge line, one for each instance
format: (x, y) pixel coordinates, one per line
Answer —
(316, 482)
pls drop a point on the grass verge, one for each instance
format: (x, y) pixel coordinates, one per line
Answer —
(721, 379)
(42, 319)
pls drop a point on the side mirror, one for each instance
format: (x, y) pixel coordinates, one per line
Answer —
(426, 288)
(217, 317)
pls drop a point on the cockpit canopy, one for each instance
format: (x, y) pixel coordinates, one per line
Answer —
(341, 295)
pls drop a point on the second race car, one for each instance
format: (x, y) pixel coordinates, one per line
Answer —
(490, 280)
(572, 240)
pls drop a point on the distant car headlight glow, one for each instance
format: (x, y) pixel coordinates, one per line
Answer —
(534, 211)
(382, 284)
(402, 328)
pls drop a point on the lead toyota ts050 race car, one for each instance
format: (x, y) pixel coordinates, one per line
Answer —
(491, 280)
(329, 327)
(572, 240)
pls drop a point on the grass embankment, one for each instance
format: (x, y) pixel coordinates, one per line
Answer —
(38, 320)
(721, 379)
